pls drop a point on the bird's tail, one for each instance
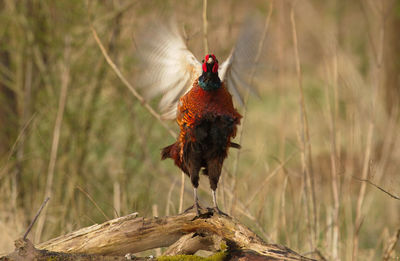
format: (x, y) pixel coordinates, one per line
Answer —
(235, 145)
(170, 151)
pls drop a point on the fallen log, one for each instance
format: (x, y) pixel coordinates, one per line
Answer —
(184, 234)
(25, 250)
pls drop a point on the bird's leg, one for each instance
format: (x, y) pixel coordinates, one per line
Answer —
(196, 206)
(196, 201)
(214, 195)
(194, 166)
(214, 168)
(215, 208)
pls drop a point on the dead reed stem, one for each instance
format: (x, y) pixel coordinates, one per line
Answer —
(35, 218)
(182, 192)
(129, 86)
(117, 198)
(332, 109)
(306, 154)
(267, 178)
(370, 133)
(169, 201)
(391, 245)
(12, 150)
(141, 100)
(155, 214)
(241, 129)
(378, 187)
(65, 78)
(389, 143)
(205, 27)
(93, 201)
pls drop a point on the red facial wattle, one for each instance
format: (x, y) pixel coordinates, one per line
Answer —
(215, 67)
(205, 66)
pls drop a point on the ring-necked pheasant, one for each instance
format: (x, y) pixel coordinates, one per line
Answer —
(199, 96)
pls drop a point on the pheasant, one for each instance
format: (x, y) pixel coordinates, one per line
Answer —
(199, 96)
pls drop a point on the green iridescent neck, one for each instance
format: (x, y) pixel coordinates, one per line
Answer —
(209, 85)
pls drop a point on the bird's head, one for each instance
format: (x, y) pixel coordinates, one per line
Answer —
(210, 64)
(209, 79)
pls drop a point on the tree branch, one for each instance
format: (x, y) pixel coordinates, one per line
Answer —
(130, 234)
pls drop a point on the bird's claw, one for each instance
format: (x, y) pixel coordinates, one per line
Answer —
(196, 207)
(218, 211)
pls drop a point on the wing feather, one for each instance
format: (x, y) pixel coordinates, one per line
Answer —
(238, 69)
(170, 68)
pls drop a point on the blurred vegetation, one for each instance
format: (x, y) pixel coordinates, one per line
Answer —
(106, 163)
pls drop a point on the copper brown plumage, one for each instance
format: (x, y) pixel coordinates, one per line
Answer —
(207, 121)
(196, 107)
(198, 96)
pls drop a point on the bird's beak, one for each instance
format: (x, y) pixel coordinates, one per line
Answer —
(210, 60)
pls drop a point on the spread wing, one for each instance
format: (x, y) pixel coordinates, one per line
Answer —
(238, 69)
(169, 67)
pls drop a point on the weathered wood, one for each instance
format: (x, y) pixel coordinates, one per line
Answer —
(25, 250)
(131, 234)
(189, 244)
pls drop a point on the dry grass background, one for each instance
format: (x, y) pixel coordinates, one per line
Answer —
(71, 129)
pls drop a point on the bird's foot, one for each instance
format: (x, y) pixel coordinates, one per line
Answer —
(196, 206)
(218, 211)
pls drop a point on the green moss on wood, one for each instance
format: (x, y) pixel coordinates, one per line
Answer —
(219, 256)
